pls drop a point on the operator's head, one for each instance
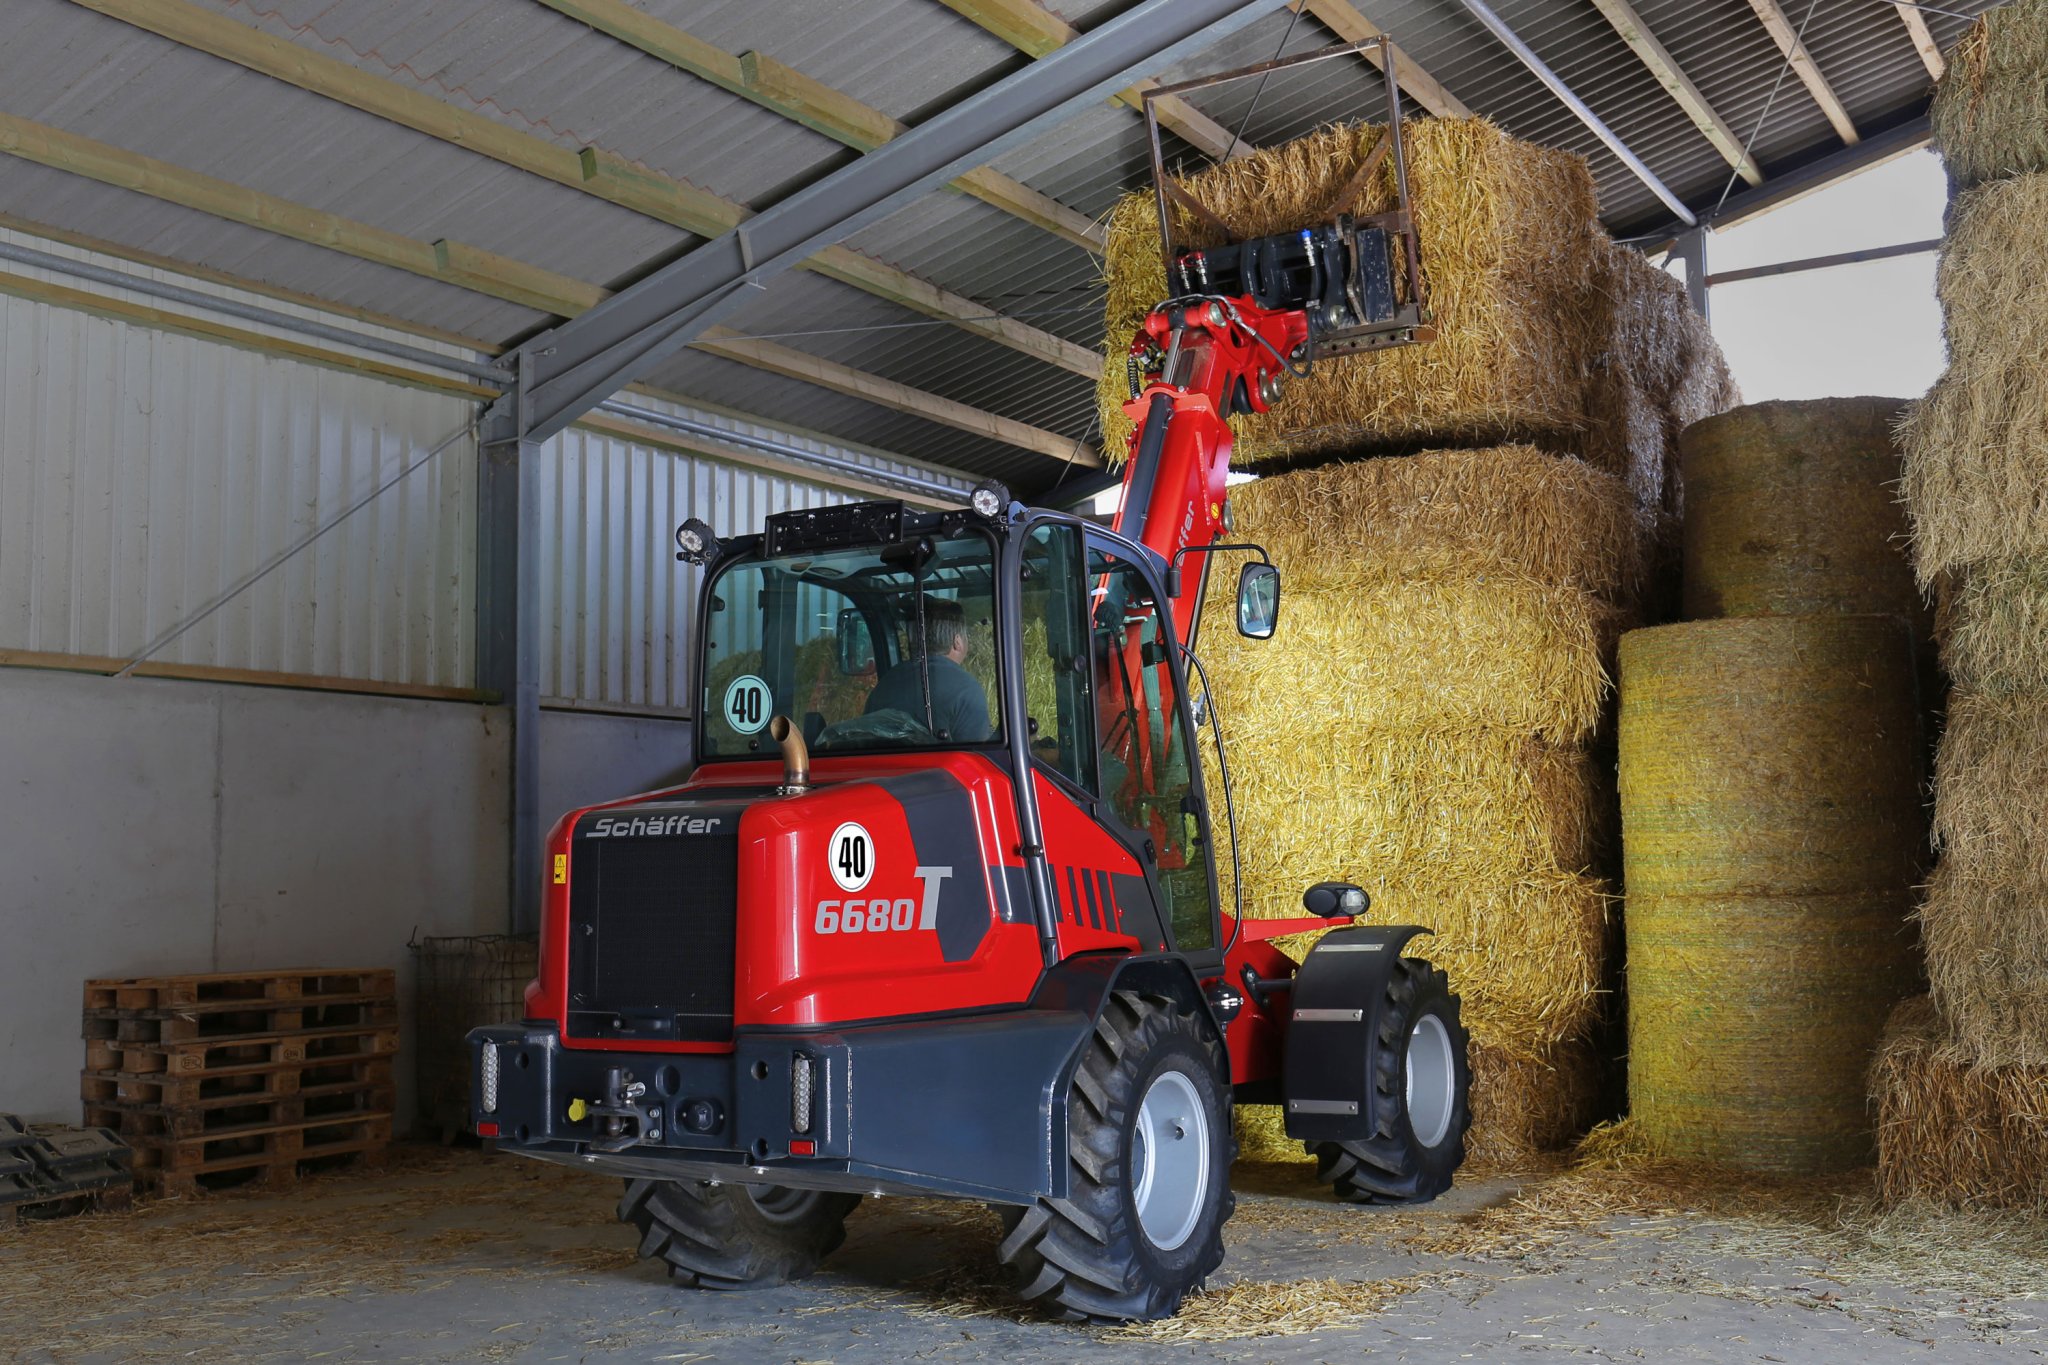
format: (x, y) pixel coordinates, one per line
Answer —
(945, 630)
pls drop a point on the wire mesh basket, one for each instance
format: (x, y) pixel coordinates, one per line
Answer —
(458, 984)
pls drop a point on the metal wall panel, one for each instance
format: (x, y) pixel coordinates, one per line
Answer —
(143, 473)
(616, 605)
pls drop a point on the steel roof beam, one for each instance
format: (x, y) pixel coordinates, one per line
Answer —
(1923, 38)
(483, 272)
(1033, 29)
(592, 171)
(1626, 22)
(1513, 42)
(583, 361)
(1345, 20)
(1803, 66)
(760, 79)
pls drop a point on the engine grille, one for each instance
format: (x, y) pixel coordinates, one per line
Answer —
(651, 937)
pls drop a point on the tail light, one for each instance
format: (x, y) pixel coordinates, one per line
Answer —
(489, 1087)
(802, 1087)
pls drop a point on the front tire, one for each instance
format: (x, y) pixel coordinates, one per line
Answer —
(1420, 1098)
(729, 1236)
(1150, 1148)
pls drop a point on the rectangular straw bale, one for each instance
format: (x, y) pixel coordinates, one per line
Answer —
(1985, 919)
(1990, 110)
(1528, 1103)
(1426, 655)
(1705, 383)
(1506, 243)
(1630, 437)
(1951, 1130)
(1976, 468)
(1992, 625)
(1509, 510)
(1494, 804)
(1648, 312)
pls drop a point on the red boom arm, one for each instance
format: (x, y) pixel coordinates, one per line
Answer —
(1220, 358)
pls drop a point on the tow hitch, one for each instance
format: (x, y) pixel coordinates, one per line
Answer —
(620, 1124)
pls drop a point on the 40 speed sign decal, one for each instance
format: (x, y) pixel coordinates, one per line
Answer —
(851, 854)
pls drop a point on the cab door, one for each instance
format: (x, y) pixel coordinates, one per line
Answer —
(1111, 733)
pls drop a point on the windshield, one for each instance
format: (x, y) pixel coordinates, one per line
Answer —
(874, 647)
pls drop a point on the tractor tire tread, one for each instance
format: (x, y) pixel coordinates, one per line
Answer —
(1388, 1167)
(1076, 1256)
(714, 1237)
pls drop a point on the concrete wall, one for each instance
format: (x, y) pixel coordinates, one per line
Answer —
(150, 826)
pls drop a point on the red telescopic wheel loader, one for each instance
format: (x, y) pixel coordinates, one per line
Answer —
(938, 912)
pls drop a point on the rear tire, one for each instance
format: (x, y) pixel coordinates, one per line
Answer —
(730, 1236)
(1420, 1100)
(1150, 1148)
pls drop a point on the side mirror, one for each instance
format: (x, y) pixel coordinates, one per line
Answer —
(853, 646)
(1258, 601)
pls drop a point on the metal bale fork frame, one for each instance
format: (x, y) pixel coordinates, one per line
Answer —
(1410, 320)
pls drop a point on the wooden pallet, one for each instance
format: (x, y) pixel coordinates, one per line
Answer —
(269, 1155)
(143, 1121)
(233, 989)
(259, 1081)
(241, 1077)
(227, 1018)
(207, 1056)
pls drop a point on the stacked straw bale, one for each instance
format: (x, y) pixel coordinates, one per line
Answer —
(1986, 915)
(1771, 835)
(1990, 111)
(1441, 667)
(1954, 1130)
(1961, 1087)
(1504, 227)
(1443, 659)
(1547, 332)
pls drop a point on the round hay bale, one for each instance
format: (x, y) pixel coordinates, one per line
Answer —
(1790, 510)
(1953, 1131)
(1986, 914)
(1752, 1020)
(1770, 755)
(1990, 111)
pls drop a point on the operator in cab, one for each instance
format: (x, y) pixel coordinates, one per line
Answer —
(959, 706)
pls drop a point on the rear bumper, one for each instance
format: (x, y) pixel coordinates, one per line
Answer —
(973, 1109)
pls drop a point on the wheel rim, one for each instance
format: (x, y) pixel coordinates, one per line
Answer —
(779, 1203)
(1432, 1080)
(1170, 1155)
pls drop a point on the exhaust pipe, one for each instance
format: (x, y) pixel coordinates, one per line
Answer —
(796, 755)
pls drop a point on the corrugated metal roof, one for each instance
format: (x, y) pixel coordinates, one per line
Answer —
(532, 69)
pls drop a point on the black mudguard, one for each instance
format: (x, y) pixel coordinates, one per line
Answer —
(1333, 1031)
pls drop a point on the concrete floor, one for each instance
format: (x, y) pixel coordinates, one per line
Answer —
(452, 1256)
